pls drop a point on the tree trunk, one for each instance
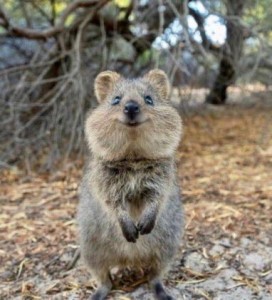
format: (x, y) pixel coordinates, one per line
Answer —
(231, 54)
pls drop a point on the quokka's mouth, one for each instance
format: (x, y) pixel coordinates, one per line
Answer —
(133, 123)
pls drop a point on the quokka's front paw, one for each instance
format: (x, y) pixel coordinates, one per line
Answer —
(146, 225)
(129, 229)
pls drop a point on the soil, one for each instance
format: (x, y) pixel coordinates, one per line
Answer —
(225, 172)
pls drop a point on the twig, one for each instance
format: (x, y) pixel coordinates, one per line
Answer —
(50, 32)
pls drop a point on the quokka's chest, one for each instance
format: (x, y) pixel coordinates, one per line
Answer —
(134, 180)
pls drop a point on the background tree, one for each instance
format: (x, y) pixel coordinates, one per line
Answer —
(231, 52)
(51, 51)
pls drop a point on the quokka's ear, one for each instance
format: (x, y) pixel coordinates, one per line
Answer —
(159, 80)
(104, 83)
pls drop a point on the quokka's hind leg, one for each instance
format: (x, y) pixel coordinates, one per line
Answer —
(104, 287)
(157, 286)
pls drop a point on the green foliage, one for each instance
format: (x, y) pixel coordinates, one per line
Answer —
(38, 13)
(258, 14)
(122, 3)
(147, 57)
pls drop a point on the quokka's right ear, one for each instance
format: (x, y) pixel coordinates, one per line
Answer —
(159, 81)
(104, 83)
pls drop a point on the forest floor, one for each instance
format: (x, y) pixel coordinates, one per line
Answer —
(225, 172)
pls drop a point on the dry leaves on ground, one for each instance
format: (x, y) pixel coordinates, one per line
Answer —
(225, 170)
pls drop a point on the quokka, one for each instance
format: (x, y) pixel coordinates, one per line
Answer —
(130, 211)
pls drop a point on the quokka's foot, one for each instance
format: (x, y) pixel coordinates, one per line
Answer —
(98, 295)
(102, 292)
(160, 292)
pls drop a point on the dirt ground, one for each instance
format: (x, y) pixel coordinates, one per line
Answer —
(225, 172)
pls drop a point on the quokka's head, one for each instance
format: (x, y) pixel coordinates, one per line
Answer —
(134, 118)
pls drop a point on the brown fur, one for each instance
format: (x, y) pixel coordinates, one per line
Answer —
(130, 210)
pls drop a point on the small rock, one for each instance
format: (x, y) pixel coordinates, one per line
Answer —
(225, 242)
(245, 242)
(240, 293)
(268, 278)
(215, 283)
(217, 250)
(66, 258)
(254, 261)
(197, 262)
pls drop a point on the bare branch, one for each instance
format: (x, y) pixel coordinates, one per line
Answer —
(50, 32)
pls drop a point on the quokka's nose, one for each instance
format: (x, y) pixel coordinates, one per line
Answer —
(132, 109)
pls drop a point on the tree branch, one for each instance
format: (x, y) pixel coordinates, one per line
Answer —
(50, 32)
(206, 42)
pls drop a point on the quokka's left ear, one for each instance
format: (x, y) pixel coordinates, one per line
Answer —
(159, 80)
(104, 83)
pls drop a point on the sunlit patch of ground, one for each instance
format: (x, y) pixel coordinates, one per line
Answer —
(225, 171)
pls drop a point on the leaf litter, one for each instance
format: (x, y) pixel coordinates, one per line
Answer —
(225, 171)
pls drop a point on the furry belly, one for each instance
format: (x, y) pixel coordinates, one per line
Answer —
(124, 254)
(112, 248)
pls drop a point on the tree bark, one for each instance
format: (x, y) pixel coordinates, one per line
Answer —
(231, 54)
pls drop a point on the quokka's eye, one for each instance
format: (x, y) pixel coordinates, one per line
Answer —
(116, 100)
(148, 100)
